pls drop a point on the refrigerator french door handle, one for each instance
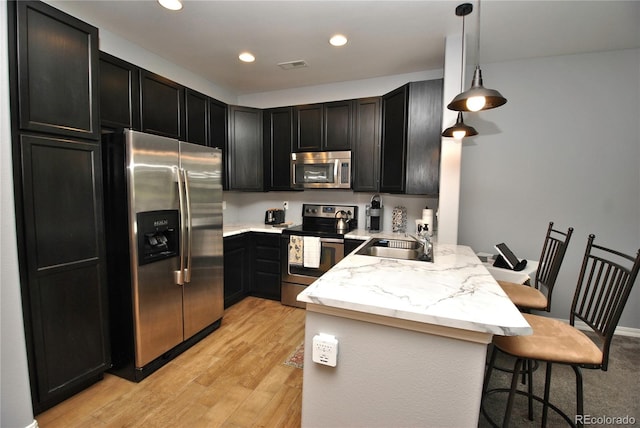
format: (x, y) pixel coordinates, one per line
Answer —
(179, 274)
(187, 193)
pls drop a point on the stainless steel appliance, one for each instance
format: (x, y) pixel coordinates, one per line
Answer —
(321, 170)
(322, 235)
(373, 213)
(163, 212)
(274, 216)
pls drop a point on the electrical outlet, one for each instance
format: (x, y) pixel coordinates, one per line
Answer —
(285, 204)
(224, 205)
(325, 349)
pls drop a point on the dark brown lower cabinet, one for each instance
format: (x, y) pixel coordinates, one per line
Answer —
(63, 257)
(237, 269)
(352, 244)
(251, 266)
(266, 265)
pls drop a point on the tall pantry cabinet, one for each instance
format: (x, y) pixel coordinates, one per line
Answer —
(58, 188)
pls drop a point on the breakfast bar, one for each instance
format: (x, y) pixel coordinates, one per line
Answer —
(411, 339)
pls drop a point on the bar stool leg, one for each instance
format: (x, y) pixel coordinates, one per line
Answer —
(547, 388)
(487, 376)
(512, 393)
(579, 396)
(529, 368)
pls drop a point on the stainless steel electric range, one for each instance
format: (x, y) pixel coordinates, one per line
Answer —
(312, 248)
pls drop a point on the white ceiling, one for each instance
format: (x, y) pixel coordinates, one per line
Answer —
(385, 37)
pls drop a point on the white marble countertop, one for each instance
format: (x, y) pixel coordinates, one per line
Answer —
(362, 234)
(237, 229)
(455, 291)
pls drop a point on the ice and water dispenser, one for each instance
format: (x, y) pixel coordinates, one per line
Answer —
(158, 235)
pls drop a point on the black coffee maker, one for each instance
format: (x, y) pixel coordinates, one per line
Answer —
(373, 212)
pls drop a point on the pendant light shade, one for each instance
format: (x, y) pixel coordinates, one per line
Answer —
(477, 97)
(460, 129)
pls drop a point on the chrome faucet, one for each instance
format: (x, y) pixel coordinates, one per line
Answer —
(423, 238)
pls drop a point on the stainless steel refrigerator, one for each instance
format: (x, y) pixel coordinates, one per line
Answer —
(163, 217)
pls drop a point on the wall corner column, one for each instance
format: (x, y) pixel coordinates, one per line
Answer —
(451, 154)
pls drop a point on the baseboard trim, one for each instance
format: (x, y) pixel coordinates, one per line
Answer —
(33, 424)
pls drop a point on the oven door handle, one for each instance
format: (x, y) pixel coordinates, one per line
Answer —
(332, 240)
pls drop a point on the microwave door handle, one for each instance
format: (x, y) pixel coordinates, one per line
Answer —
(336, 171)
(187, 194)
(179, 274)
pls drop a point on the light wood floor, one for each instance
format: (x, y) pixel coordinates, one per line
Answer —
(235, 377)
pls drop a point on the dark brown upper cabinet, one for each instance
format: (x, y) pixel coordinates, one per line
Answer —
(338, 125)
(197, 113)
(308, 127)
(119, 93)
(162, 106)
(365, 156)
(57, 59)
(323, 127)
(217, 124)
(244, 153)
(410, 151)
(278, 140)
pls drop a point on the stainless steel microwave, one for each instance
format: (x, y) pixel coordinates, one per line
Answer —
(321, 170)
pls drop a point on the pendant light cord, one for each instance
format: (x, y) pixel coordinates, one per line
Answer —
(478, 41)
(462, 56)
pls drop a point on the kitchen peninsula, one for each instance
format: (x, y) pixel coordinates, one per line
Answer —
(412, 340)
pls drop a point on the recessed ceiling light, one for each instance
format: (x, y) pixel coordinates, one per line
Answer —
(338, 40)
(246, 57)
(171, 4)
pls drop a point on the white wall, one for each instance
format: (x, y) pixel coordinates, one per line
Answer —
(15, 395)
(335, 91)
(565, 148)
(124, 49)
(245, 207)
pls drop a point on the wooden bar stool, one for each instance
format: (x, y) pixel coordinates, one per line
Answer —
(604, 284)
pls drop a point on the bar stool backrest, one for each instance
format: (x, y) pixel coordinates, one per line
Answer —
(604, 284)
(553, 251)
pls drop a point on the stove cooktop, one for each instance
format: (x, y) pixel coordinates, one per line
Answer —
(320, 220)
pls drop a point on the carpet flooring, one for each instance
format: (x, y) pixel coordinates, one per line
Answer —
(607, 395)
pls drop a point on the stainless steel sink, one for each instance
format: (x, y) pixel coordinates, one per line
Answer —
(394, 249)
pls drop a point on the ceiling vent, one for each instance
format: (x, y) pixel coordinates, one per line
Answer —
(290, 65)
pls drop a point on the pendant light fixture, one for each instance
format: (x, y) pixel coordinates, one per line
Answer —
(477, 97)
(460, 130)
